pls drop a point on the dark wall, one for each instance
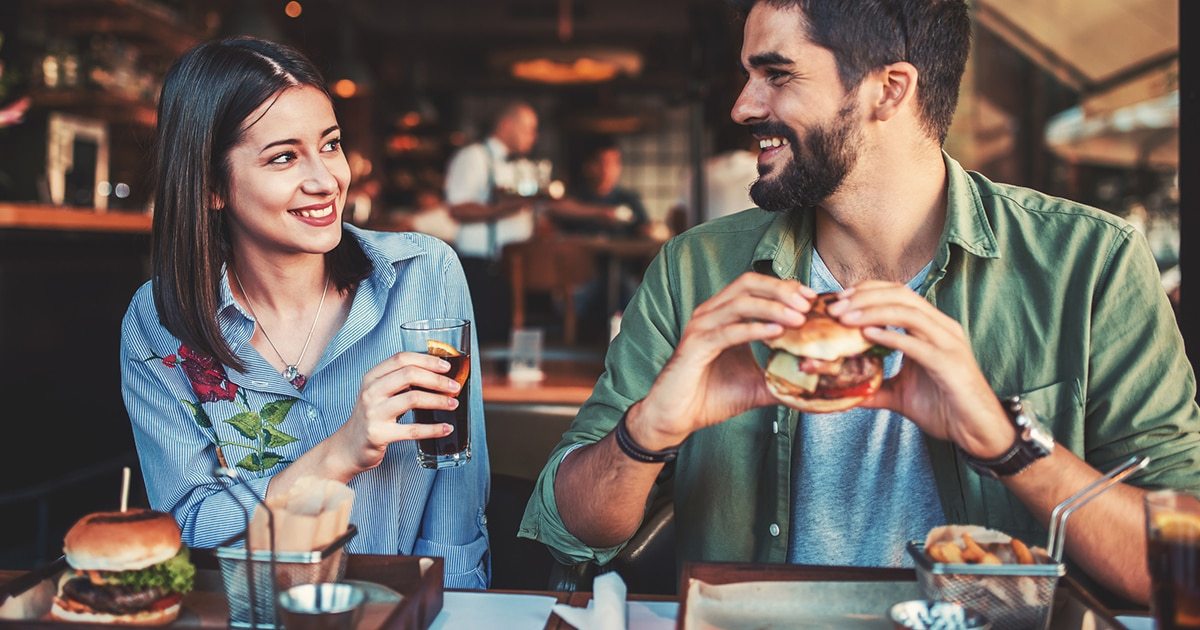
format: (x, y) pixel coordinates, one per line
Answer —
(62, 297)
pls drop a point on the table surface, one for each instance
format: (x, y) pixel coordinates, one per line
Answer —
(564, 383)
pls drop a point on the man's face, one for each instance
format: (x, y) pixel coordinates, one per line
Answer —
(604, 170)
(519, 132)
(806, 123)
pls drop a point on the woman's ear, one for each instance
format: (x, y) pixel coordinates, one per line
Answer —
(897, 89)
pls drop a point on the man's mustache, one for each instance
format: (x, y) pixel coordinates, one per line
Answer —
(773, 128)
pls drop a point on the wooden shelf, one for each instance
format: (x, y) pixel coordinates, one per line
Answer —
(33, 216)
(133, 20)
(106, 106)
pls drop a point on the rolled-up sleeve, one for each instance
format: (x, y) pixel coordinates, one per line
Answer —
(649, 333)
(454, 526)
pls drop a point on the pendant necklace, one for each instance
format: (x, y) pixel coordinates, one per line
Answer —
(292, 371)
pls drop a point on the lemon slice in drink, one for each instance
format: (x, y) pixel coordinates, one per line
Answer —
(441, 349)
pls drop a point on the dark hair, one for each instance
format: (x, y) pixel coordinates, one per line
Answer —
(864, 35)
(593, 146)
(509, 108)
(206, 97)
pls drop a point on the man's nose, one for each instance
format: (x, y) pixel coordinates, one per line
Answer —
(748, 108)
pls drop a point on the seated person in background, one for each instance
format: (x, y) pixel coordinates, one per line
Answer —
(598, 206)
(980, 289)
(268, 337)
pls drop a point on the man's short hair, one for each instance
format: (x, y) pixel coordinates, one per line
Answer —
(865, 35)
(508, 109)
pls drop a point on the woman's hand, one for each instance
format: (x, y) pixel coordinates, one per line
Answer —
(403, 382)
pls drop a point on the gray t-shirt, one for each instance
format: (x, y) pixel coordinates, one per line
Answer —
(862, 485)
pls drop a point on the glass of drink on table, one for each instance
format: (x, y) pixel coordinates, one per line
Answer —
(449, 340)
(1173, 546)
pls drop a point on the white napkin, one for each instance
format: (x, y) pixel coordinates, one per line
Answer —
(607, 611)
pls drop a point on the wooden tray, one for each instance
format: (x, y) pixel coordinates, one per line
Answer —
(400, 593)
(1074, 608)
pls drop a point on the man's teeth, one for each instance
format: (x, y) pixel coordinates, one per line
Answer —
(315, 214)
(771, 143)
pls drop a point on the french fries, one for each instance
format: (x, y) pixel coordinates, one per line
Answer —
(971, 552)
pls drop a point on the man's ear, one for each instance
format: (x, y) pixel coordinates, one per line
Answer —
(897, 89)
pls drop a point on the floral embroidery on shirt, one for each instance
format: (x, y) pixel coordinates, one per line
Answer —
(211, 384)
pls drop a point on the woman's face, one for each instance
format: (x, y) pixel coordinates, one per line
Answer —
(287, 177)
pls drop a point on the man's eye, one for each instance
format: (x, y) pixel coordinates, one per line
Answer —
(777, 76)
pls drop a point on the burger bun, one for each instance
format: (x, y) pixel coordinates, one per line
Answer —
(147, 618)
(121, 541)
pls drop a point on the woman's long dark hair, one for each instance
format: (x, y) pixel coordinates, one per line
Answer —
(206, 97)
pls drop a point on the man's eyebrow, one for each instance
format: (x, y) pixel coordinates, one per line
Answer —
(759, 60)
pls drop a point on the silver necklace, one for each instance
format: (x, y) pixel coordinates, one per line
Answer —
(292, 371)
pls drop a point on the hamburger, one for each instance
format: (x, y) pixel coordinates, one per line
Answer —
(127, 568)
(823, 366)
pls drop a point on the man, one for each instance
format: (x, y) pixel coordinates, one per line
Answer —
(600, 206)
(489, 219)
(1009, 292)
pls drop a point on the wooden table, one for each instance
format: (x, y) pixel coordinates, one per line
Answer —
(565, 383)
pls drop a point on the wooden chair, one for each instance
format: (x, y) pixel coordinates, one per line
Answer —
(552, 266)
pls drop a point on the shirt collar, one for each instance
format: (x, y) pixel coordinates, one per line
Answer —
(383, 252)
(785, 248)
(498, 149)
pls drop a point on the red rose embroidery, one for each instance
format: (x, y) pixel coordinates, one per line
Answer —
(170, 360)
(208, 378)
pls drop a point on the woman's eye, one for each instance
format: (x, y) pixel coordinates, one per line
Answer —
(333, 145)
(283, 158)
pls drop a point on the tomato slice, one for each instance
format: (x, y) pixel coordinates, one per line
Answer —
(861, 389)
(166, 602)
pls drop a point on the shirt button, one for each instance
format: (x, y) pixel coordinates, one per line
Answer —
(312, 413)
(775, 426)
(774, 529)
(483, 519)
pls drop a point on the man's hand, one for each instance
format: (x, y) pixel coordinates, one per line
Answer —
(712, 376)
(940, 387)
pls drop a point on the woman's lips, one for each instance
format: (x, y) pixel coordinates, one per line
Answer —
(317, 216)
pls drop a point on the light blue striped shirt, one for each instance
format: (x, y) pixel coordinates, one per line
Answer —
(400, 508)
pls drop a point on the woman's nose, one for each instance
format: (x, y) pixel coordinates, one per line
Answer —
(319, 179)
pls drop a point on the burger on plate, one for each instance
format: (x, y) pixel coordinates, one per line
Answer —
(127, 568)
(824, 366)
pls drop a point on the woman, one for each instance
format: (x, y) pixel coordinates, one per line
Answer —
(268, 338)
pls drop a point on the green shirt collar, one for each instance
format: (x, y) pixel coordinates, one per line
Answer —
(786, 247)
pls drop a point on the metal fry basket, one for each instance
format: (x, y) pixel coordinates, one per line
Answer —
(1013, 596)
(250, 580)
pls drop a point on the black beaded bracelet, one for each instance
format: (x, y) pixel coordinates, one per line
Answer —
(636, 452)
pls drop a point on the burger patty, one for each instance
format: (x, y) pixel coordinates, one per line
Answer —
(111, 598)
(855, 370)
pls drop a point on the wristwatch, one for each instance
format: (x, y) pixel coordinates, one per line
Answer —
(1033, 442)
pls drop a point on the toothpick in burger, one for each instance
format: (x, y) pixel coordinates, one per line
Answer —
(824, 366)
(127, 568)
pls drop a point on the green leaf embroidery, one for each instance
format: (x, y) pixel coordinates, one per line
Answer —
(275, 412)
(198, 414)
(248, 423)
(276, 438)
(250, 462)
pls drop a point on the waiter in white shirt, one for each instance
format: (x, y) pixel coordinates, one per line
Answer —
(489, 220)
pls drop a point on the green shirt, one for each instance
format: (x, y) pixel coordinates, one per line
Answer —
(1062, 304)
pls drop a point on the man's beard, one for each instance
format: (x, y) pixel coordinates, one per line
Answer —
(818, 167)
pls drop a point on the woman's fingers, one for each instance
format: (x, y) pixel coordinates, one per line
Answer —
(402, 360)
(396, 431)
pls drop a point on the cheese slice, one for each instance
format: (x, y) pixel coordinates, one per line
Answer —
(787, 367)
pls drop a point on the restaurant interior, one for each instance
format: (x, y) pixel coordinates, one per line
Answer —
(1078, 98)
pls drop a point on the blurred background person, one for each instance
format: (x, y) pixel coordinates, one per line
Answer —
(598, 206)
(488, 218)
(431, 216)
